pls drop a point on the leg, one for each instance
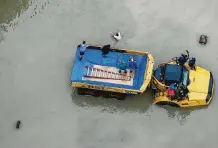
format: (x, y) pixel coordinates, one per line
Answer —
(118, 29)
(81, 55)
(121, 33)
(104, 54)
(115, 43)
(135, 66)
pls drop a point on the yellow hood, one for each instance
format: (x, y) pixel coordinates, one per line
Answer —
(199, 81)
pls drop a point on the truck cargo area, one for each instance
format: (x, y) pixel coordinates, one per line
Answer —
(97, 70)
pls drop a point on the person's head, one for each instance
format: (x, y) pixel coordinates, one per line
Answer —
(192, 62)
(122, 61)
(109, 45)
(131, 58)
(84, 42)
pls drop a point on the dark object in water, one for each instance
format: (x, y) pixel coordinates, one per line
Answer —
(203, 39)
(18, 124)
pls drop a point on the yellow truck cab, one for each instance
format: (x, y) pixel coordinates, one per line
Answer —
(198, 82)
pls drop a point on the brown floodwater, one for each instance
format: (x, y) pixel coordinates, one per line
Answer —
(38, 39)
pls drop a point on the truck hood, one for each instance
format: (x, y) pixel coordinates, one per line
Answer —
(199, 81)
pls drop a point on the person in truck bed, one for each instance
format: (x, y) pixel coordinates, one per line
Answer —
(122, 66)
(132, 64)
(105, 50)
(82, 48)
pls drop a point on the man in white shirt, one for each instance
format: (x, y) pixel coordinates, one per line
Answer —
(117, 36)
(82, 48)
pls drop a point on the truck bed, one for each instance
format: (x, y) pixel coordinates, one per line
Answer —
(93, 57)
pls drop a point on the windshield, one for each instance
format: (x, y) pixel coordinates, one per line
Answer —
(185, 77)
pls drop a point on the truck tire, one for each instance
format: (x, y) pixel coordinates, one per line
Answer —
(80, 91)
(118, 96)
(162, 103)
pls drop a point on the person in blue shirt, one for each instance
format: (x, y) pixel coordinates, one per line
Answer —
(174, 87)
(191, 63)
(182, 59)
(82, 48)
(122, 66)
(132, 64)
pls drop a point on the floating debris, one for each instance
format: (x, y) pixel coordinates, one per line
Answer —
(18, 124)
(203, 39)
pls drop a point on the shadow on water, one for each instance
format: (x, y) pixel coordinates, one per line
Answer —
(182, 114)
(139, 103)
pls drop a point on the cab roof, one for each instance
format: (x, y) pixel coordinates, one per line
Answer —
(173, 72)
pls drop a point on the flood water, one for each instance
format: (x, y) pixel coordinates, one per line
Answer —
(37, 46)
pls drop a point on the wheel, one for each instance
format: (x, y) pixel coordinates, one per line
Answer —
(96, 94)
(117, 96)
(88, 92)
(162, 103)
(81, 91)
(121, 97)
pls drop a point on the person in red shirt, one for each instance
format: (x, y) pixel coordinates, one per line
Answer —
(170, 93)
